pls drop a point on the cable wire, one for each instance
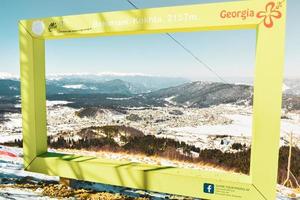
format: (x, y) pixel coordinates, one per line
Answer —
(208, 67)
(132, 4)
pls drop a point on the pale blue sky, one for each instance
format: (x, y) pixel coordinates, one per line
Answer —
(230, 53)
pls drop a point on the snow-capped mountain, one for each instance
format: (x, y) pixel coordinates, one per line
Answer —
(5, 75)
(145, 82)
(204, 94)
(147, 90)
(100, 74)
(121, 83)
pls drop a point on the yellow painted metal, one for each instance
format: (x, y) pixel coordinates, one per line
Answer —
(267, 105)
(142, 176)
(267, 17)
(32, 59)
(156, 20)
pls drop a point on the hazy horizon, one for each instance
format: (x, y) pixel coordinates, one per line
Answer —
(4, 75)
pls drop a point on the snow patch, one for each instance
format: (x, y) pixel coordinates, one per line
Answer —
(170, 100)
(55, 103)
(78, 86)
(118, 99)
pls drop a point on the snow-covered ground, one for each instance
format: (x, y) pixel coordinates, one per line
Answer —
(241, 126)
(21, 194)
(199, 127)
(55, 103)
(11, 171)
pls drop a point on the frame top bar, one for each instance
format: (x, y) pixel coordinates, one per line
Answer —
(213, 16)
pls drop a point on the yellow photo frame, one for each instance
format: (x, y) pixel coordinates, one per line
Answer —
(267, 17)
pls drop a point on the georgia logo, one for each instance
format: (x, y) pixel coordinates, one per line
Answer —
(271, 12)
(268, 16)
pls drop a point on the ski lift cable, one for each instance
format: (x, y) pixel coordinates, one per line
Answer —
(132, 4)
(207, 66)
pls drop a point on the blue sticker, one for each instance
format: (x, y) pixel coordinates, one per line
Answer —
(209, 188)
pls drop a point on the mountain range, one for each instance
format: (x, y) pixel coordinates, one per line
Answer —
(204, 94)
(138, 90)
(105, 83)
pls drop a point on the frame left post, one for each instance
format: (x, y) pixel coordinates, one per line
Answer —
(33, 95)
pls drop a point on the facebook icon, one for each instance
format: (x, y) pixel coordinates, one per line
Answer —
(209, 188)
